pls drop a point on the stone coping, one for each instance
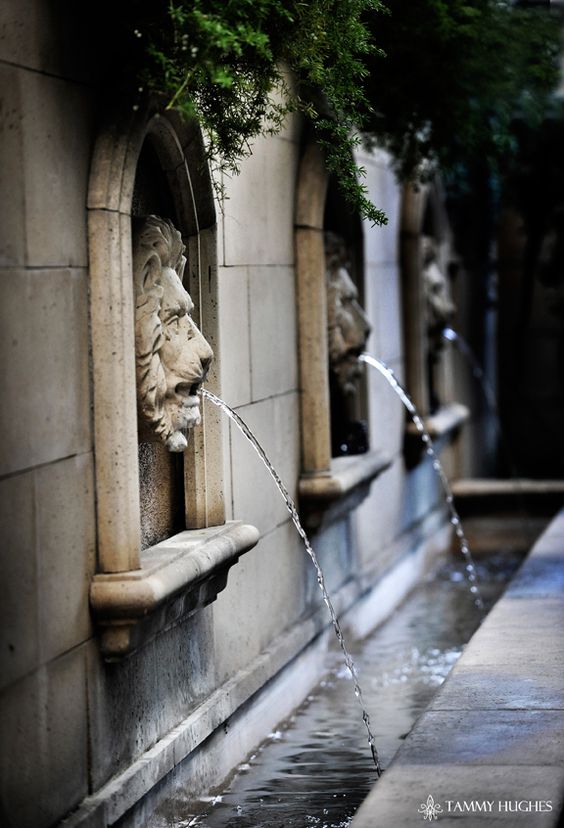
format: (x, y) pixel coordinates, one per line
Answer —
(326, 496)
(448, 418)
(175, 579)
(494, 733)
(485, 487)
(345, 474)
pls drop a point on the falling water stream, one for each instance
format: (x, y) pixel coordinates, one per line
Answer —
(316, 754)
(311, 769)
(291, 506)
(452, 336)
(471, 575)
(490, 396)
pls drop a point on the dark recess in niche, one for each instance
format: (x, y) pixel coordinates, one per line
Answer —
(349, 428)
(161, 472)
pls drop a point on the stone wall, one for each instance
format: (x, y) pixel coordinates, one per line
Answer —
(46, 460)
(69, 722)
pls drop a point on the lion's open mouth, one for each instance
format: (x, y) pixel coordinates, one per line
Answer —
(189, 392)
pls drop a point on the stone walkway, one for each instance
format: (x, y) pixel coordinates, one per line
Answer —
(490, 747)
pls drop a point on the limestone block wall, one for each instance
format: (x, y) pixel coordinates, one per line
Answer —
(47, 546)
(391, 521)
(69, 722)
(259, 370)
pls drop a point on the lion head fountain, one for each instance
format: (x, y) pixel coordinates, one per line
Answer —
(347, 325)
(171, 355)
(438, 299)
(347, 331)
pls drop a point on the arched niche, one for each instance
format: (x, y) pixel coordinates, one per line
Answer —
(324, 479)
(424, 222)
(151, 159)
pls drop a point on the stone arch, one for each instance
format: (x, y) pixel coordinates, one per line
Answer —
(180, 150)
(313, 182)
(324, 479)
(423, 214)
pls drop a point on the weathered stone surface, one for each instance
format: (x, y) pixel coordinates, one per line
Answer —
(56, 128)
(386, 414)
(234, 347)
(486, 737)
(398, 798)
(113, 363)
(47, 307)
(19, 646)
(444, 421)
(12, 209)
(50, 37)
(66, 552)
(176, 578)
(280, 559)
(66, 726)
(495, 730)
(272, 314)
(120, 731)
(385, 495)
(262, 198)
(43, 756)
(384, 309)
(543, 576)
(501, 687)
(381, 243)
(274, 422)
(325, 498)
(243, 727)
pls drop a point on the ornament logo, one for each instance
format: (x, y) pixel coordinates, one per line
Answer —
(430, 809)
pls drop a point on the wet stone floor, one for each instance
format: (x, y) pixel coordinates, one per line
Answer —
(316, 768)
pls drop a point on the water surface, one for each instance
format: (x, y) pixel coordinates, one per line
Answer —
(316, 768)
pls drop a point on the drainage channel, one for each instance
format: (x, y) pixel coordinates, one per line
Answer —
(314, 769)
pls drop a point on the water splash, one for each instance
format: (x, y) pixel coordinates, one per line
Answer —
(291, 506)
(426, 437)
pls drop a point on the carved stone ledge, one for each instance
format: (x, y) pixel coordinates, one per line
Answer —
(444, 422)
(446, 419)
(177, 577)
(327, 495)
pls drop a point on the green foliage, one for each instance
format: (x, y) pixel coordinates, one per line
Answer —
(454, 75)
(240, 66)
(457, 74)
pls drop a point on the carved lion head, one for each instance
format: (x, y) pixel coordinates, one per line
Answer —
(171, 355)
(348, 326)
(436, 287)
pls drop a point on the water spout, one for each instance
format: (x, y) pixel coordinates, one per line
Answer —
(471, 575)
(291, 506)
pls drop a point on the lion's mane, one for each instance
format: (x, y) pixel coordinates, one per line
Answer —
(156, 244)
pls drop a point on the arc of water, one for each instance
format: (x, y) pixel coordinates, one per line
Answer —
(491, 399)
(388, 373)
(489, 393)
(291, 506)
(453, 336)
